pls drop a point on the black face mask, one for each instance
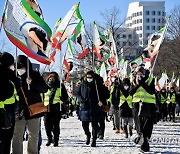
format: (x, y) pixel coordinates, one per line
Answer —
(51, 83)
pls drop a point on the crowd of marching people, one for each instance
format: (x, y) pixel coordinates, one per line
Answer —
(132, 103)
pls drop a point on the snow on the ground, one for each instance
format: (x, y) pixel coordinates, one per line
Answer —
(165, 139)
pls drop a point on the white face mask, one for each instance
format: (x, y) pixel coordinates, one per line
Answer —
(89, 79)
(12, 67)
(126, 87)
(21, 71)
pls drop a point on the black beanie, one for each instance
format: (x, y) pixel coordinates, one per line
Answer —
(6, 59)
(22, 61)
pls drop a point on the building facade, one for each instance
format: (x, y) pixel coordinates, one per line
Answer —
(145, 17)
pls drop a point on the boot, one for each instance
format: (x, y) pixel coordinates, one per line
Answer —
(56, 144)
(130, 130)
(93, 144)
(49, 141)
(125, 131)
(88, 140)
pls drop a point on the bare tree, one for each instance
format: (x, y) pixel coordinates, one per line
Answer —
(169, 55)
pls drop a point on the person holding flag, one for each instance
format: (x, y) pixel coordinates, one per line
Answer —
(144, 100)
(92, 96)
(55, 98)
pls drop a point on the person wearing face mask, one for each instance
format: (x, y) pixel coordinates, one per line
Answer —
(55, 97)
(144, 107)
(92, 95)
(125, 107)
(171, 104)
(32, 85)
(8, 105)
(115, 97)
(163, 104)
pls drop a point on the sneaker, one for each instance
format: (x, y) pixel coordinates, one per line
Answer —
(55, 144)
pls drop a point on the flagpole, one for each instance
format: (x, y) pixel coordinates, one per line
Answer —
(3, 15)
(16, 61)
(61, 72)
(28, 72)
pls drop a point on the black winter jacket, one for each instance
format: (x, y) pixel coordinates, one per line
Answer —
(37, 87)
(87, 96)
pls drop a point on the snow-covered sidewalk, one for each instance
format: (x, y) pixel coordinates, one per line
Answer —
(165, 139)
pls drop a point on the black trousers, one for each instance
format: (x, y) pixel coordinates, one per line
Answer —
(101, 127)
(5, 139)
(52, 125)
(94, 124)
(144, 125)
(171, 110)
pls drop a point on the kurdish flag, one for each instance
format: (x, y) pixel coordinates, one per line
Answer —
(98, 41)
(154, 43)
(27, 30)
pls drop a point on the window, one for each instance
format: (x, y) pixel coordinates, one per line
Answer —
(124, 36)
(137, 13)
(158, 20)
(140, 20)
(118, 36)
(153, 20)
(147, 27)
(147, 12)
(158, 27)
(137, 28)
(140, 28)
(140, 13)
(140, 35)
(163, 13)
(153, 12)
(159, 13)
(124, 43)
(130, 36)
(163, 21)
(147, 35)
(153, 27)
(137, 21)
(141, 42)
(118, 43)
(147, 20)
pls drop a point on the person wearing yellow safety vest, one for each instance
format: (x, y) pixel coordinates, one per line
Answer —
(55, 98)
(171, 103)
(144, 101)
(125, 107)
(115, 97)
(163, 104)
(8, 104)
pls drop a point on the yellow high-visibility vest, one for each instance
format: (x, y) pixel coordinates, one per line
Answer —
(111, 91)
(56, 97)
(172, 99)
(126, 99)
(142, 95)
(163, 99)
